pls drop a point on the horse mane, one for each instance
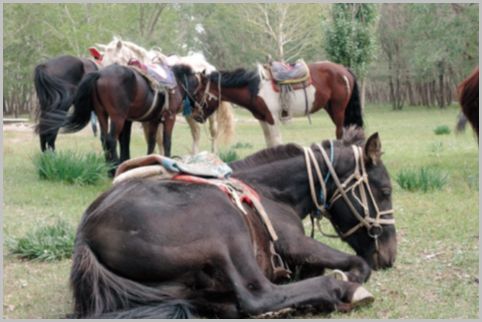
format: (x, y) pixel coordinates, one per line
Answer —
(266, 156)
(181, 70)
(353, 135)
(136, 49)
(238, 78)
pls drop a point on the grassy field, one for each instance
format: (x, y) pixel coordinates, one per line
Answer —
(437, 268)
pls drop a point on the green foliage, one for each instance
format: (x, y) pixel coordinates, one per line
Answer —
(350, 37)
(424, 179)
(47, 243)
(441, 129)
(229, 156)
(242, 145)
(71, 167)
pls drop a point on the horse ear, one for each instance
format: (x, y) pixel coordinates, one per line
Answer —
(373, 149)
(119, 44)
(101, 46)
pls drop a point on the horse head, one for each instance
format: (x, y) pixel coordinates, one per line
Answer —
(121, 52)
(361, 198)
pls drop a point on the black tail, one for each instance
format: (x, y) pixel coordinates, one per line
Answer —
(99, 293)
(83, 104)
(54, 100)
(353, 112)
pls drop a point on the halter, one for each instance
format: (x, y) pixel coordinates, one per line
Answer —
(359, 178)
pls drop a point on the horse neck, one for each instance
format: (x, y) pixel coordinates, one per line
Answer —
(271, 181)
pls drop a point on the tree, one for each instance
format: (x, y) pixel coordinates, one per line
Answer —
(350, 37)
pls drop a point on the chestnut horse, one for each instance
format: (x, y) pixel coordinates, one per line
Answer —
(333, 87)
(468, 91)
(156, 248)
(56, 82)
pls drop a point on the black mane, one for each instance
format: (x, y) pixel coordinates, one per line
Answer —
(268, 155)
(238, 78)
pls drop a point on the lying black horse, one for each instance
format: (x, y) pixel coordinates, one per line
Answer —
(151, 248)
(56, 83)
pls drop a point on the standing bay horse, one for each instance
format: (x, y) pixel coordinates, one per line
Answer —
(333, 87)
(120, 95)
(221, 124)
(155, 248)
(468, 91)
(56, 83)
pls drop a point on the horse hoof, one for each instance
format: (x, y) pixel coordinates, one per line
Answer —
(362, 297)
(339, 275)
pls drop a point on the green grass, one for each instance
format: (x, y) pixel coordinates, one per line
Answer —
(229, 155)
(442, 129)
(423, 179)
(71, 167)
(438, 231)
(48, 243)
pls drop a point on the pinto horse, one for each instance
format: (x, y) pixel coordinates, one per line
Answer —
(154, 248)
(469, 99)
(333, 87)
(56, 83)
(121, 95)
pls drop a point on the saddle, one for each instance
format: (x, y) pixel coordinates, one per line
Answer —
(158, 74)
(207, 168)
(296, 75)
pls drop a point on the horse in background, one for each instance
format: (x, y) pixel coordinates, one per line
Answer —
(330, 86)
(468, 91)
(221, 124)
(56, 82)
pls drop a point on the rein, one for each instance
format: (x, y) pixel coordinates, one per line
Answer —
(360, 178)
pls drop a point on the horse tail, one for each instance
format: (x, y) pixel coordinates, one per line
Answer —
(54, 100)
(353, 112)
(225, 119)
(99, 293)
(83, 104)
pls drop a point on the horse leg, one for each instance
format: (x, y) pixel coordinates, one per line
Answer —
(195, 133)
(125, 138)
(272, 134)
(337, 115)
(214, 131)
(150, 129)
(257, 295)
(321, 256)
(169, 122)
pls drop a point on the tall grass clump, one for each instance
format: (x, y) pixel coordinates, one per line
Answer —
(424, 179)
(442, 129)
(47, 243)
(229, 155)
(71, 167)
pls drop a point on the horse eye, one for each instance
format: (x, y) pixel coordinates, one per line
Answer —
(386, 191)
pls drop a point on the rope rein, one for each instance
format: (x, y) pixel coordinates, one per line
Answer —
(360, 178)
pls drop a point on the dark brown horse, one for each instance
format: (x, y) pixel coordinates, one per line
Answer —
(469, 99)
(333, 87)
(151, 248)
(120, 95)
(56, 83)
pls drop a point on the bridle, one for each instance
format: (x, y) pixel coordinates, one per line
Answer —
(359, 181)
(207, 95)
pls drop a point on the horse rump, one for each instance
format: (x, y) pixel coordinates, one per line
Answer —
(54, 99)
(100, 293)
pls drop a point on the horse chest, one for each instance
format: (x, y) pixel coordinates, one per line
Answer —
(295, 100)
